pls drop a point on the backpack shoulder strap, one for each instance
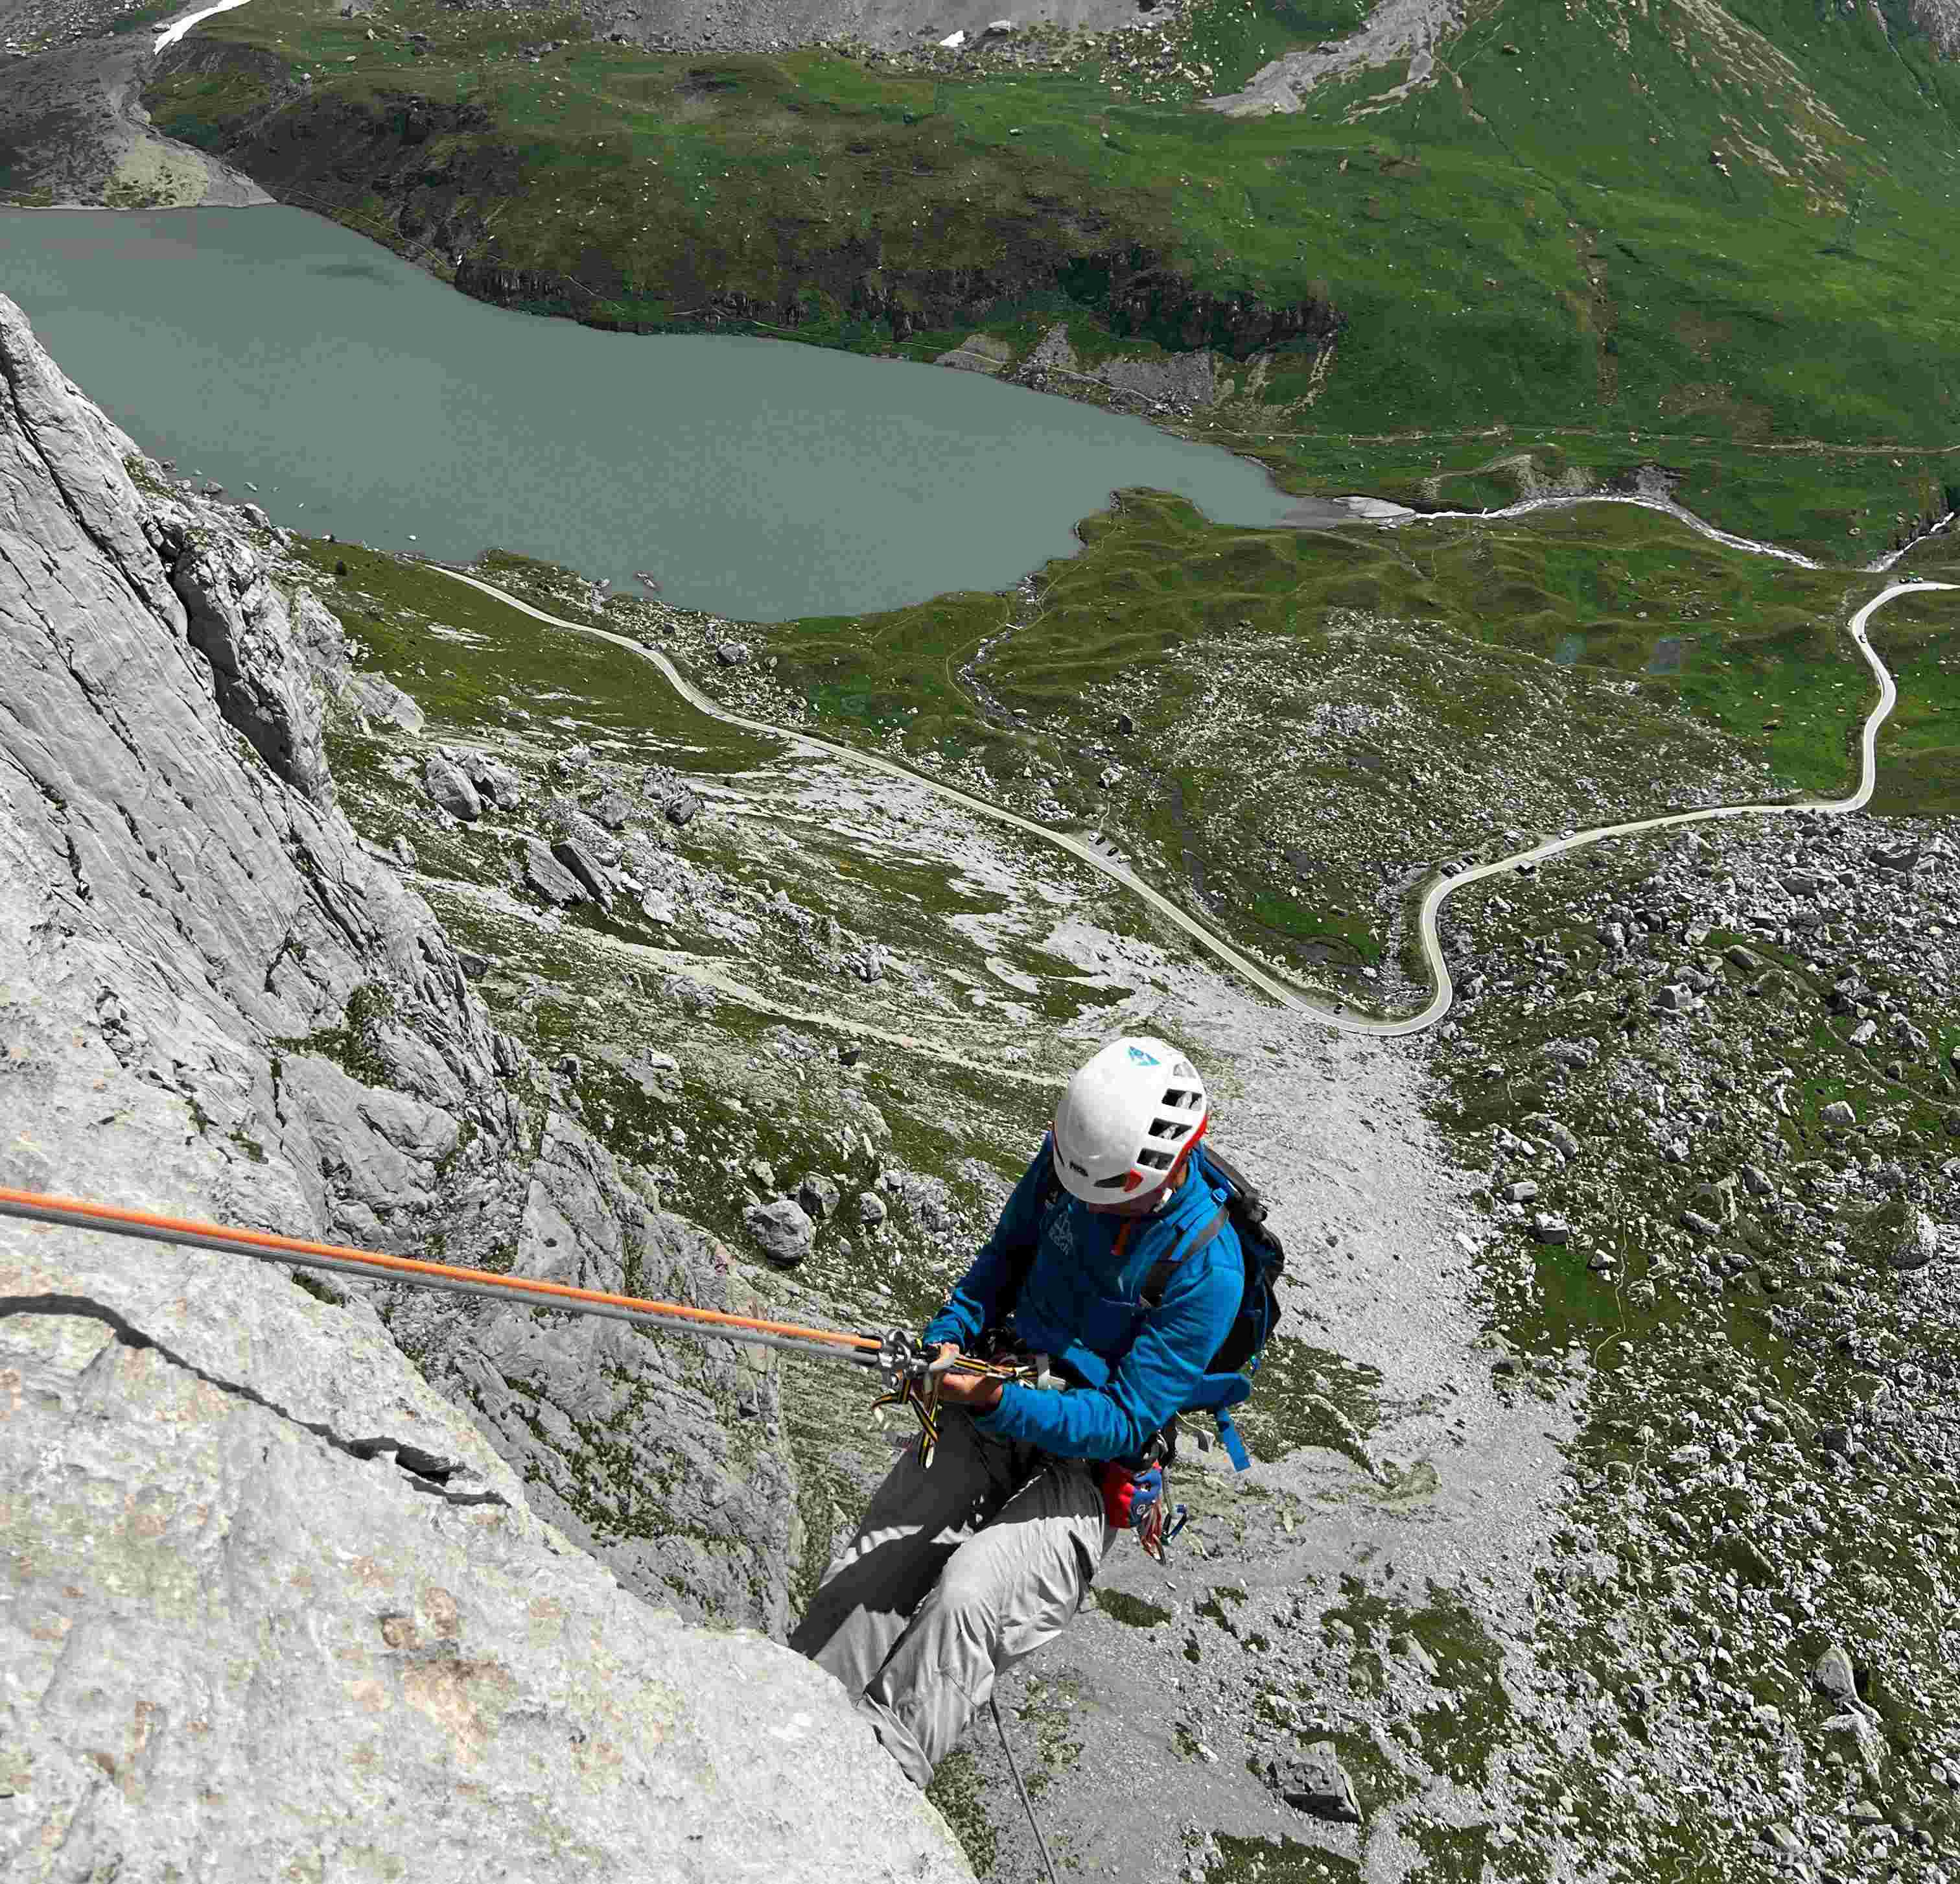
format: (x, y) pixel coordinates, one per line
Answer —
(1161, 1271)
(1242, 1190)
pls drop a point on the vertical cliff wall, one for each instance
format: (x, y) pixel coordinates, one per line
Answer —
(269, 1598)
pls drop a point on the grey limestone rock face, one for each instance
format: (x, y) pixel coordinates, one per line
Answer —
(327, 1616)
(718, 1535)
(240, 622)
(320, 1627)
(306, 1011)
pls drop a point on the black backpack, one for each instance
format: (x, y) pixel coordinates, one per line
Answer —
(1228, 1378)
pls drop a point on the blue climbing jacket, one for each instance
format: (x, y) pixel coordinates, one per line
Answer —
(1082, 1304)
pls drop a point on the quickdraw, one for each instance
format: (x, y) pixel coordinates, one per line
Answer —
(911, 1381)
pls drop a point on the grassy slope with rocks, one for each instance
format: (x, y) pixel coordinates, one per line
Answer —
(1599, 236)
(1722, 1065)
(1315, 719)
(808, 987)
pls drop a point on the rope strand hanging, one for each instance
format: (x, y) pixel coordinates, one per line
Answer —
(894, 1355)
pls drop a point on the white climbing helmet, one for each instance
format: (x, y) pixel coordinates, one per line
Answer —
(1126, 1119)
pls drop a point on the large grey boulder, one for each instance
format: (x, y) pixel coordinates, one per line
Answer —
(781, 1231)
(575, 857)
(1313, 1781)
(448, 786)
(817, 1194)
(497, 782)
(1917, 1243)
(549, 877)
(376, 699)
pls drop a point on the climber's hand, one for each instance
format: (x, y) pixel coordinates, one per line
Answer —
(978, 1393)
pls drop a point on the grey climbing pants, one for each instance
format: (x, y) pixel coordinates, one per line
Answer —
(956, 1574)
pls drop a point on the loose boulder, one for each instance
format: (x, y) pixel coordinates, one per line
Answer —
(1917, 1243)
(552, 880)
(1834, 1676)
(380, 702)
(818, 1195)
(612, 811)
(577, 860)
(447, 786)
(1315, 1781)
(781, 1231)
(1543, 1126)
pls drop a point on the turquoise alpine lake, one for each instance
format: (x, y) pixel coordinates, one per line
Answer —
(757, 479)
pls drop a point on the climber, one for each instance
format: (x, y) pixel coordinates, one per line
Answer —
(1113, 1265)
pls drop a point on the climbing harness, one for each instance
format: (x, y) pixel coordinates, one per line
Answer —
(898, 1358)
(1027, 1804)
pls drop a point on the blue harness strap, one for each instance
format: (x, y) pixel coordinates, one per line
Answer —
(1235, 1447)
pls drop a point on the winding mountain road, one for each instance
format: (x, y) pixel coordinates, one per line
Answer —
(1288, 994)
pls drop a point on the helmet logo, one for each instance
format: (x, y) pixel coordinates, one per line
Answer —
(1143, 1059)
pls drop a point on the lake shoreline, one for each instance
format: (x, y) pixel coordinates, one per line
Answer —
(756, 483)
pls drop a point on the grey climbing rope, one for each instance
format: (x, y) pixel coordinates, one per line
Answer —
(1027, 1804)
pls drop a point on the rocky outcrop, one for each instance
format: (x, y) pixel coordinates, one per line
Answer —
(1940, 21)
(275, 1595)
(72, 129)
(1139, 294)
(1395, 30)
(240, 622)
(167, 690)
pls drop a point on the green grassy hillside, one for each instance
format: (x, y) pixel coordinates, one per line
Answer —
(1714, 229)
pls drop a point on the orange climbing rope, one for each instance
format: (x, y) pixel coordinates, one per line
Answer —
(864, 1350)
